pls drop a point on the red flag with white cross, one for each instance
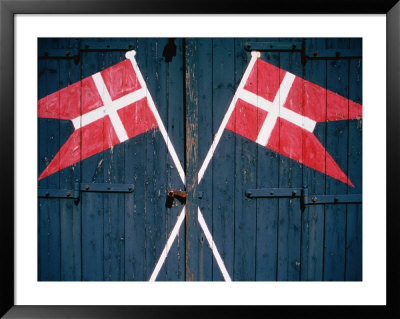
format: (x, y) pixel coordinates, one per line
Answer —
(105, 109)
(280, 110)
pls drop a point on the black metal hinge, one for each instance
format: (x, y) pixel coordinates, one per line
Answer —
(274, 46)
(306, 53)
(84, 187)
(305, 197)
(59, 54)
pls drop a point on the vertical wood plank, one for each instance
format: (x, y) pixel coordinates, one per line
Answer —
(290, 175)
(175, 262)
(193, 247)
(223, 160)
(70, 212)
(245, 172)
(313, 217)
(49, 211)
(92, 203)
(206, 129)
(337, 147)
(136, 168)
(267, 209)
(156, 188)
(114, 173)
(354, 211)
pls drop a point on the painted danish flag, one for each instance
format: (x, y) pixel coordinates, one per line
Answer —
(279, 110)
(106, 109)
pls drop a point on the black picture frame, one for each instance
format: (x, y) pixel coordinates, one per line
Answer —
(8, 8)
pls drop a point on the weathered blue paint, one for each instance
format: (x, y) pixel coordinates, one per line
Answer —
(174, 108)
(245, 168)
(116, 236)
(70, 213)
(115, 246)
(354, 212)
(93, 171)
(49, 210)
(337, 143)
(192, 93)
(290, 175)
(267, 210)
(223, 180)
(135, 172)
(313, 219)
(206, 127)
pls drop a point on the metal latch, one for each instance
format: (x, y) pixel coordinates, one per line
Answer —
(84, 187)
(303, 194)
(180, 196)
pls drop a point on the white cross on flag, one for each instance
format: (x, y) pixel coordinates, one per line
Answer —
(105, 109)
(279, 110)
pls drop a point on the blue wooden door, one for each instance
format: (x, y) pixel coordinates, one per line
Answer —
(272, 237)
(110, 235)
(206, 141)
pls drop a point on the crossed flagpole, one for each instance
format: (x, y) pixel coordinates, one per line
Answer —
(175, 231)
(200, 218)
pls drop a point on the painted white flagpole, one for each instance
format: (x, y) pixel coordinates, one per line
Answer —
(254, 56)
(131, 56)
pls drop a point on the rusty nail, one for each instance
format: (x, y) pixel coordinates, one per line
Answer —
(87, 187)
(315, 53)
(68, 194)
(66, 53)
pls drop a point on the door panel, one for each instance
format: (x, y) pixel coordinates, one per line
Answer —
(121, 236)
(273, 239)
